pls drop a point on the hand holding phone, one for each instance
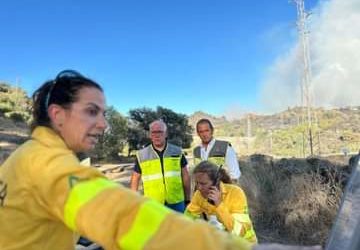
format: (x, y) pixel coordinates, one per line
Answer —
(214, 187)
(214, 196)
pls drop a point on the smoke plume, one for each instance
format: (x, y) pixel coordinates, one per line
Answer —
(335, 61)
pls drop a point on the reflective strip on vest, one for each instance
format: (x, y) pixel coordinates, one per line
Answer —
(218, 160)
(80, 194)
(197, 161)
(147, 222)
(151, 177)
(243, 221)
(173, 174)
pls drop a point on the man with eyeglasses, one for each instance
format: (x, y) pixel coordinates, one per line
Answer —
(162, 168)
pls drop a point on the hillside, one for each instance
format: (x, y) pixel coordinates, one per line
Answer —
(279, 135)
(11, 135)
(333, 131)
(282, 134)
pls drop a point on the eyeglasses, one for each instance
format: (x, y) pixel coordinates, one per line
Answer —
(68, 73)
(157, 132)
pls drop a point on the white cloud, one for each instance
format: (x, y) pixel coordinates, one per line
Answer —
(335, 57)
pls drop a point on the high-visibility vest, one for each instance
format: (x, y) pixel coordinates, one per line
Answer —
(216, 155)
(162, 185)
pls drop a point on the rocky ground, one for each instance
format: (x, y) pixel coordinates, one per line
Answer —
(118, 172)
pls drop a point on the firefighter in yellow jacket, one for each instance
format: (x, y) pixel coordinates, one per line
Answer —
(222, 204)
(47, 196)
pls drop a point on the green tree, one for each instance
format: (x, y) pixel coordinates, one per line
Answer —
(14, 103)
(179, 130)
(114, 138)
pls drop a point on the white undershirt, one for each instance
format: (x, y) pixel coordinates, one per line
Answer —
(231, 162)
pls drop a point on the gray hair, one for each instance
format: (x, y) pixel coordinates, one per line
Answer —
(161, 122)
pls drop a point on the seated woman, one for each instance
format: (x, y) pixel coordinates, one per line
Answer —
(222, 204)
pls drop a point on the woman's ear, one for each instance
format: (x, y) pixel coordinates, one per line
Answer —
(57, 115)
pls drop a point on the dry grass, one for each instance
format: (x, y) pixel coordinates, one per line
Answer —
(11, 135)
(292, 201)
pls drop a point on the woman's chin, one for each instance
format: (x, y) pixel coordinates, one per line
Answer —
(88, 147)
(204, 194)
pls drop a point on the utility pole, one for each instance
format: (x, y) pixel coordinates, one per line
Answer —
(271, 141)
(248, 132)
(306, 104)
(248, 126)
(319, 145)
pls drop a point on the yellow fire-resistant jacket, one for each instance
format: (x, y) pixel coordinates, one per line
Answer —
(46, 196)
(232, 212)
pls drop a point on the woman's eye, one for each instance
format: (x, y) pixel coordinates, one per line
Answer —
(92, 112)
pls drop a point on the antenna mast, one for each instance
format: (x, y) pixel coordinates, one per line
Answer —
(306, 101)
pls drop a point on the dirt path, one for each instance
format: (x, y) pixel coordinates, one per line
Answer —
(118, 172)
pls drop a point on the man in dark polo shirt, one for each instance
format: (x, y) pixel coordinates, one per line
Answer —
(162, 167)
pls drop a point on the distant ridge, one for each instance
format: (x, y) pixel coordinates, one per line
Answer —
(334, 131)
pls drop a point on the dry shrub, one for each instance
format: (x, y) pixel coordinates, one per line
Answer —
(291, 201)
(308, 210)
(263, 187)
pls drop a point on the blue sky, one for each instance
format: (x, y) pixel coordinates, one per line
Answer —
(185, 55)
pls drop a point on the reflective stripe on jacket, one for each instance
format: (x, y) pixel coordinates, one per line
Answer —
(147, 220)
(217, 153)
(162, 185)
(232, 212)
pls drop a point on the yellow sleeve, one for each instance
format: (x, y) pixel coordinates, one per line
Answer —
(118, 218)
(236, 204)
(235, 216)
(193, 210)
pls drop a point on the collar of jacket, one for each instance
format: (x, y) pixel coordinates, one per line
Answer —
(48, 137)
(161, 151)
(223, 188)
(209, 145)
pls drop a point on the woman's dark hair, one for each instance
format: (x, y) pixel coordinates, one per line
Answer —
(63, 90)
(204, 121)
(212, 171)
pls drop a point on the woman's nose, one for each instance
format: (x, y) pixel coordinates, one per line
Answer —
(102, 123)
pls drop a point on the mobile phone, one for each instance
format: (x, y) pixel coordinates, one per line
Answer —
(216, 183)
